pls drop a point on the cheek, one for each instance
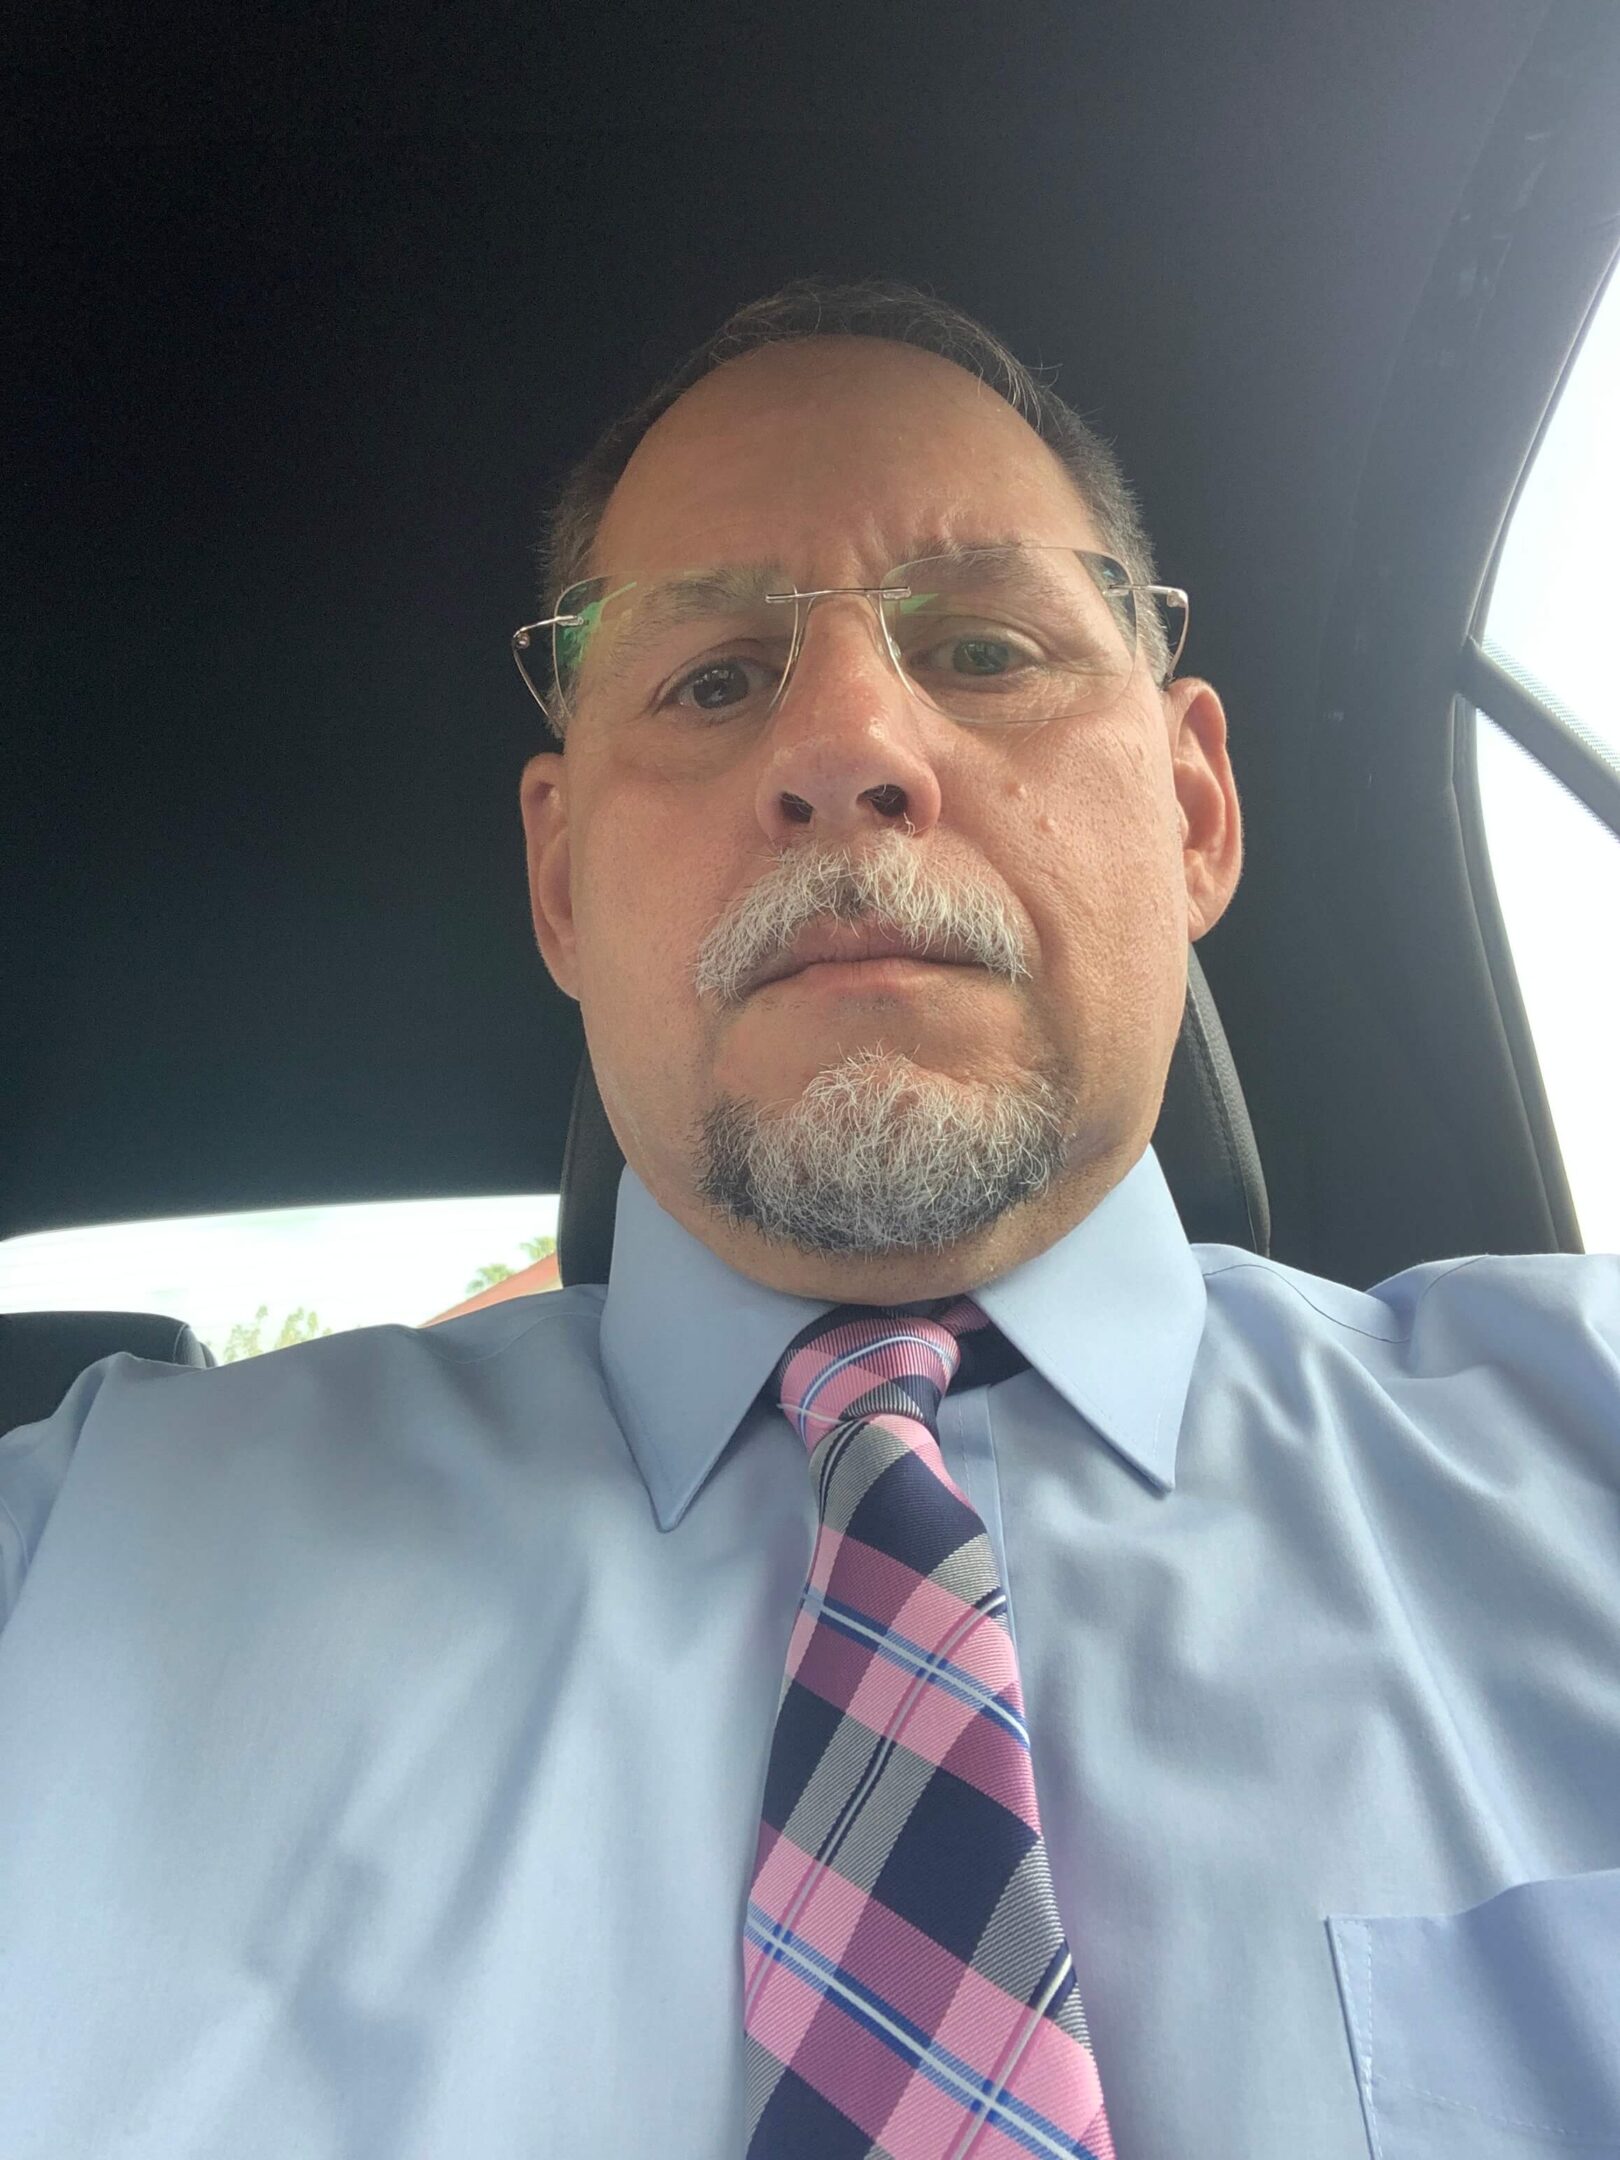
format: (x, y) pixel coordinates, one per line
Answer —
(630, 938)
(645, 895)
(1106, 829)
(1104, 880)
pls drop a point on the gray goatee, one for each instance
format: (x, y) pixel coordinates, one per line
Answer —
(878, 1155)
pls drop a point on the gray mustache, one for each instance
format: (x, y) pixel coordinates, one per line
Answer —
(886, 884)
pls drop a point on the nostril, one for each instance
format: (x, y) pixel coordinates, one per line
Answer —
(887, 801)
(797, 809)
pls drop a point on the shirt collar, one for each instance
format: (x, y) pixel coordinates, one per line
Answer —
(1111, 1316)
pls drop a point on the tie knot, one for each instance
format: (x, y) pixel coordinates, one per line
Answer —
(858, 1361)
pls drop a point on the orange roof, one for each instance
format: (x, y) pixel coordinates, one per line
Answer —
(544, 1275)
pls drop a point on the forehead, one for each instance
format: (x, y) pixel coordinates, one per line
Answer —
(834, 454)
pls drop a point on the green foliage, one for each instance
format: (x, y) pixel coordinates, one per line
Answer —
(247, 1340)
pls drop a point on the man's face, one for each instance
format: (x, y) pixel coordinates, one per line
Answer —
(666, 849)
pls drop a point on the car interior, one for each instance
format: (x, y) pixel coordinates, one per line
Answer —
(306, 333)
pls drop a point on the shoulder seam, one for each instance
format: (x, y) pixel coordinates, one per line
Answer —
(1445, 1275)
(1278, 1274)
(481, 1357)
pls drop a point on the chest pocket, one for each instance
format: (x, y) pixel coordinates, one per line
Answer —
(1493, 2033)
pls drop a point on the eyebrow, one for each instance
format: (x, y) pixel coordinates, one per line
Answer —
(698, 593)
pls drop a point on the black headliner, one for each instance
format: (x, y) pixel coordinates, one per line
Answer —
(305, 339)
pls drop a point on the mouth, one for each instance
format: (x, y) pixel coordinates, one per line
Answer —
(885, 972)
(850, 955)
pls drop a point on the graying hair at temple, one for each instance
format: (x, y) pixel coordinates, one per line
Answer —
(817, 307)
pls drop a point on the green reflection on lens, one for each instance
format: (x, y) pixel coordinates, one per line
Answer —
(573, 639)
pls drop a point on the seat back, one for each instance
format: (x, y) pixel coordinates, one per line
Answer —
(43, 1353)
(1203, 1139)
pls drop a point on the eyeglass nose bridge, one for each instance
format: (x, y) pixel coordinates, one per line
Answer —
(876, 594)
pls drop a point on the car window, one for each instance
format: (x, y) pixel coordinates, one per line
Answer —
(250, 1283)
(1554, 861)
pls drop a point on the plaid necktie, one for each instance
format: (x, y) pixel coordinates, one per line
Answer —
(907, 1990)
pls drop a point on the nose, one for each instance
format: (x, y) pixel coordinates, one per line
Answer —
(847, 753)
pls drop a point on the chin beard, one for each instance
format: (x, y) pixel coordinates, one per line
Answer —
(878, 1156)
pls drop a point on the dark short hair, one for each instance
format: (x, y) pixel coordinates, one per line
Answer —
(813, 307)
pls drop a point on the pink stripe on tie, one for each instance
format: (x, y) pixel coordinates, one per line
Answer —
(828, 2049)
(923, 1717)
(927, 1984)
(829, 1398)
(926, 1613)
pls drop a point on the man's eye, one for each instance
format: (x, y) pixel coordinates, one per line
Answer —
(724, 686)
(981, 655)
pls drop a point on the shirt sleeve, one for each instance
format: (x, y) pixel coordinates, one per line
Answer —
(34, 1463)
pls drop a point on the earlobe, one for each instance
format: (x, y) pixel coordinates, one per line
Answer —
(544, 798)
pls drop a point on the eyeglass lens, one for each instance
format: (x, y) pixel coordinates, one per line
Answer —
(1000, 637)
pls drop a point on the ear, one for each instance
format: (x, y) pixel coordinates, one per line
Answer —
(544, 796)
(1206, 796)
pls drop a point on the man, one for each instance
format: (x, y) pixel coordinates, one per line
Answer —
(925, 1663)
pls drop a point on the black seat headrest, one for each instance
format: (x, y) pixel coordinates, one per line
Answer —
(43, 1353)
(1204, 1141)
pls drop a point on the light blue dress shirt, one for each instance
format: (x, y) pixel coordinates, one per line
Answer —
(383, 1723)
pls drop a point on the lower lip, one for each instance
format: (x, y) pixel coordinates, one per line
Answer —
(873, 976)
